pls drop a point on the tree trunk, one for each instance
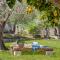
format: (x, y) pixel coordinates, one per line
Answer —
(47, 33)
(55, 32)
(2, 45)
(59, 31)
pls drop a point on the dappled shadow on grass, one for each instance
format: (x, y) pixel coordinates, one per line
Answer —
(32, 53)
(0, 59)
(54, 55)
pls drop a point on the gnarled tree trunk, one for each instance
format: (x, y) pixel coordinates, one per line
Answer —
(2, 45)
(4, 16)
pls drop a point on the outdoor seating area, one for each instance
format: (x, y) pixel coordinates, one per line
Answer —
(34, 47)
(29, 29)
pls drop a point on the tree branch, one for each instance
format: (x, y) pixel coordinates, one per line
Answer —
(9, 14)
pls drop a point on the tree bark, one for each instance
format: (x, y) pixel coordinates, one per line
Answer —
(47, 33)
(55, 32)
(2, 45)
(59, 31)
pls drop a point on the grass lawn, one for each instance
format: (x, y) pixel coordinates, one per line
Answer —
(5, 55)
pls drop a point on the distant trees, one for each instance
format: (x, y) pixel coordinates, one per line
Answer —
(49, 12)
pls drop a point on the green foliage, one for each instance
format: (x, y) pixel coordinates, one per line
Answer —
(35, 30)
(11, 3)
(25, 20)
(49, 9)
(39, 4)
(20, 0)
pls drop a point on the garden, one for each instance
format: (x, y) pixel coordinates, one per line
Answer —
(29, 30)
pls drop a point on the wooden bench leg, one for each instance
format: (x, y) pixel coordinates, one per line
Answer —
(49, 52)
(17, 53)
(14, 53)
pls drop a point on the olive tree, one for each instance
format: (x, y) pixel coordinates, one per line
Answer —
(18, 14)
(5, 13)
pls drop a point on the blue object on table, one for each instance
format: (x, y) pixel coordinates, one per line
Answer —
(35, 46)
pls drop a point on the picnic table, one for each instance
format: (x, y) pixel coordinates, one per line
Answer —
(28, 47)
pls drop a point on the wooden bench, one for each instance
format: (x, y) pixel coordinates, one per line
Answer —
(20, 47)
